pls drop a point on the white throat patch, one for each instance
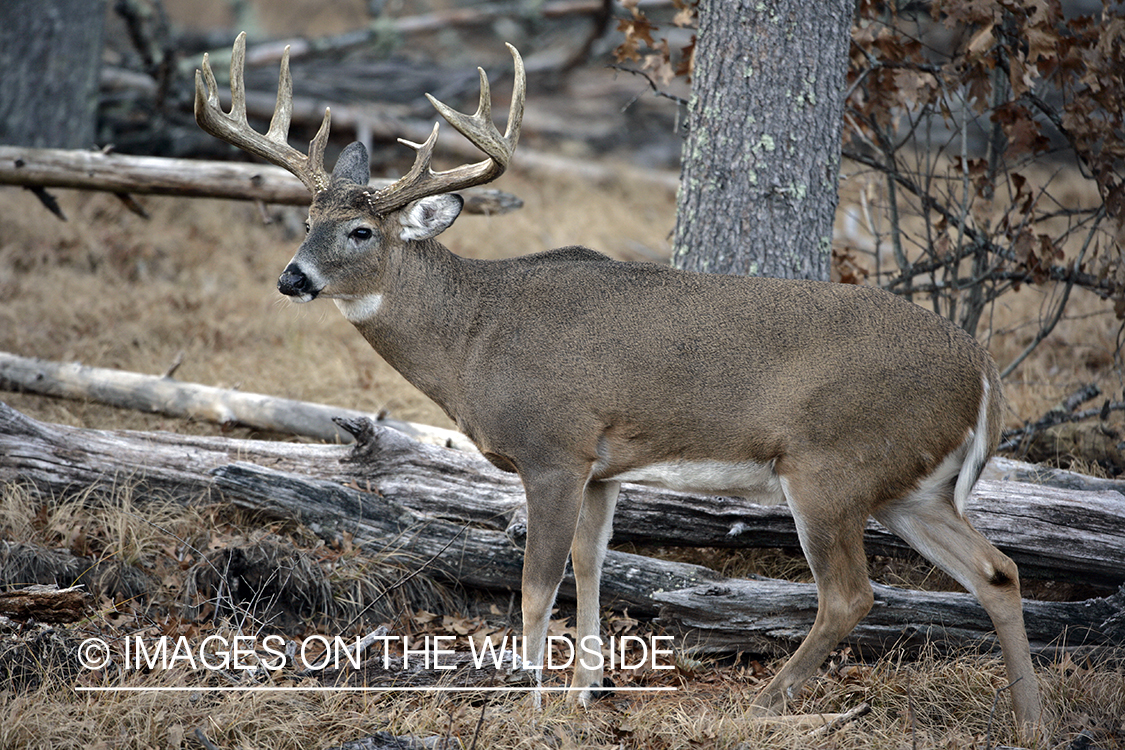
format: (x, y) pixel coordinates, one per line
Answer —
(359, 309)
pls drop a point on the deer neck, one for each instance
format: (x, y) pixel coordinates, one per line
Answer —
(418, 318)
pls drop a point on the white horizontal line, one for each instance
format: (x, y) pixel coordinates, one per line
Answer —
(346, 689)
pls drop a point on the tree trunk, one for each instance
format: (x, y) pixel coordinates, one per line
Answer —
(758, 183)
(50, 55)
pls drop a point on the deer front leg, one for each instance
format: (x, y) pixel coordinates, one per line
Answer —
(554, 499)
(587, 553)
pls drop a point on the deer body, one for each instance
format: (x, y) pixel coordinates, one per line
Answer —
(579, 372)
(639, 365)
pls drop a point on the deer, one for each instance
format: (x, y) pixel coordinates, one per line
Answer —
(578, 372)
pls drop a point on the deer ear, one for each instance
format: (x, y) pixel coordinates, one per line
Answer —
(353, 165)
(428, 217)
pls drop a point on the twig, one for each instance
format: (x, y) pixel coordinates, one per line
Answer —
(480, 721)
(652, 84)
(1013, 438)
(179, 360)
(992, 712)
(1056, 273)
(1050, 325)
(47, 200)
(132, 204)
(910, 710)
(845, 718)
(201, 738)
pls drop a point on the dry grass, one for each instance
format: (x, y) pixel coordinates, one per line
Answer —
(109, 289)
(937, 701)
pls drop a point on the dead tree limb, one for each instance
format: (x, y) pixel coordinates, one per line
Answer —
(45, 603)
(270, 52)
(162, 395)
(117, 173)
(1052, 533)
(473, 549)
(769, 616)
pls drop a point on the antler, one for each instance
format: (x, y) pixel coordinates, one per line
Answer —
(234, 129)
(419, 182)
(422, 181)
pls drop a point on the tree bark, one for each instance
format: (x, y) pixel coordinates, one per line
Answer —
(46, 603)
(760, 163)
(50, 55)
(449, 509)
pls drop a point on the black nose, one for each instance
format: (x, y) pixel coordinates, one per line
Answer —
(293, 282)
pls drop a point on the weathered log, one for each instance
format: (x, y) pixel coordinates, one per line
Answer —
(385, 668)
(45, 603)
(427, 23)
(474, 557)
(118, 173)
(471, 549)
(1052, 533)
(770, 616)
(381, 740)
(163, 395)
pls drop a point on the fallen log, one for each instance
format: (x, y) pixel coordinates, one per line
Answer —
(773, 617)
(1052, 533)
(474, 550)
(265, 53)
(46, 603)
(152, 175)
(174, 398)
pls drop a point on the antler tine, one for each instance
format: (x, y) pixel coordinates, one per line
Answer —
(422, 181)
(422, 160)
(283, 110)
(479, 128)
(273, 146)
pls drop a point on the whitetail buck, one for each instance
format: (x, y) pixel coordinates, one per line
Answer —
(579, 372)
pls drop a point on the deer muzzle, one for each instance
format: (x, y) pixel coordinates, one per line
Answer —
(294, 283)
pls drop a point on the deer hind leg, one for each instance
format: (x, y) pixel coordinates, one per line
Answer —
(928, 520)
(554, 500)
(831, 535)
(587, 553)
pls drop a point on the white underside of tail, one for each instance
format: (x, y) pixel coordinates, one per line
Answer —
(976, 453)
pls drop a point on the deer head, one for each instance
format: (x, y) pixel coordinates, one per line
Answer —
(351, 226)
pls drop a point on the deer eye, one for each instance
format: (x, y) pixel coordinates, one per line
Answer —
(361, 234)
